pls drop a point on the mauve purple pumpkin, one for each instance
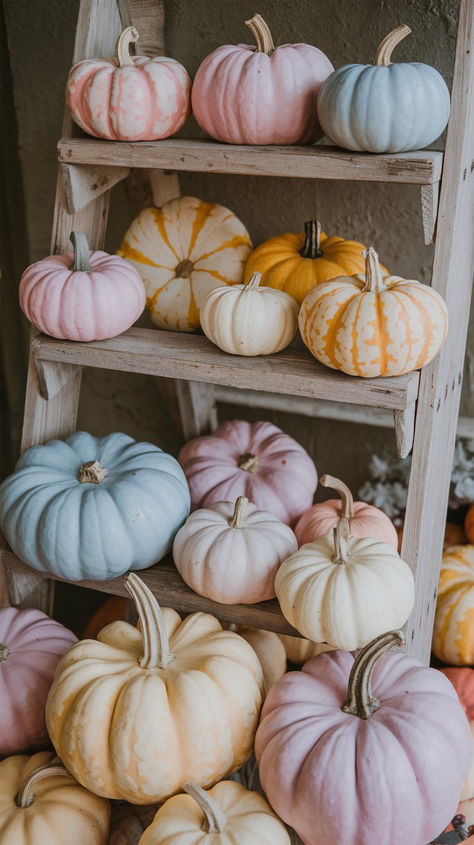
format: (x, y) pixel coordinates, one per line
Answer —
(256, 460)
(388, 774)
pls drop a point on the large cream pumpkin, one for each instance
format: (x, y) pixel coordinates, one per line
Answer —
(453, 634)
(269, 649)
(370, 325)
(136, 716)
(182, 251)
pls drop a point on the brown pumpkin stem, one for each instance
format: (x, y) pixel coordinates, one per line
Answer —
(254, 281)
(341, 536)
(347, 509)
(262, 34)
(214, 819)
(238, 517)
(373, 272)
(92, 472)
(156, 647)
(184, 269)
(311, 246)
(81, 251)
(386, 47)
(122, 50)
(26, 795)
(248, 462)
(4, 652)
(360, 701)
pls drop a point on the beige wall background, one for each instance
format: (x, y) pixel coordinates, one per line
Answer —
(40, 36)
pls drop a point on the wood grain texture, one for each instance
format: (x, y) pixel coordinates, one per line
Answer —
(317, 162)
(197, 408)
(429, 210)
(440, 384)
(193, 357)
(404, 430)
(83, 183)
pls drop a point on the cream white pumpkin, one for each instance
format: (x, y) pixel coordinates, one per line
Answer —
(136, 715)
(299, 651)
(228, 814)
(182, 251)
(370, 325)
(230, 553)
(249, 319)
(269, 649)
(344, 590)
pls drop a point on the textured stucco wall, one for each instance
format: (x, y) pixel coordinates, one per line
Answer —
(41, 39)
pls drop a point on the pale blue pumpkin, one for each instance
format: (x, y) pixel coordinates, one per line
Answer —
(384, 107)
(59, 520)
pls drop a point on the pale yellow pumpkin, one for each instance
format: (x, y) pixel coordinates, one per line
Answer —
(453, 634)
(136, 716)
(182, 251)
(42, 804)
(269, 649)
(228, 814)
(299, 651)
(370, 325)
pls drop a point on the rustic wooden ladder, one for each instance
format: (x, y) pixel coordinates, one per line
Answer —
(425, 405)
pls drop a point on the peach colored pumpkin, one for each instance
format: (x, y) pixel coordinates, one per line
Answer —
(31, 645)
(462, 680)
(129, 98)
(256, 460)
(263, 95)
(231, 552)
(140, 712)
(269, 649)
(42, 804)
(364, 520)
(82, 295)
(453, 633)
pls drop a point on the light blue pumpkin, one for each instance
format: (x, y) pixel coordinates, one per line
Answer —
(384, 108)
(85, 530)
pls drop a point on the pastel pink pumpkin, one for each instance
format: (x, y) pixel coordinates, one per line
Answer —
(82, 295)
(462, 679)
(263, 95)
(31, 645)
(371, 749)
(364, 520)
(255, 460)
(129, 98)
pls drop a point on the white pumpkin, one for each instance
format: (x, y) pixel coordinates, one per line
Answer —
(299, 651)
(231, 552)
(249, 319)
(344, 590)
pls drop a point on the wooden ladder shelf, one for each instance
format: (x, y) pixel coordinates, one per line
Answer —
(425, 405)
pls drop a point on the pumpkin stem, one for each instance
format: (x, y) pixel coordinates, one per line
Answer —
(373, 272)
(4, 652)
(184, 269)
(347, 509)
(81, 251)
(26, 795)
(386, 47)
(214, 819)
(156, 647)
(360, 701)
(254, 281)
(311, 248)
(122, 50)
(248, 462)
(262, 34)
(92, 472)
(341, 536)
(238, 517)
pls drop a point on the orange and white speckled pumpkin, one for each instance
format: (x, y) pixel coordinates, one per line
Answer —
(182, 251)
(368, 325)
(453, 634)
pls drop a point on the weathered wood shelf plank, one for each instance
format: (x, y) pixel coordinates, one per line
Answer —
(422, 167)
(185, 356)
(170, 590)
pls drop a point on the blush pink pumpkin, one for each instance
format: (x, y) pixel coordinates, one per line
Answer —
(364, 520)
(31, 645)
(462, 679)
(255, 460)
(82, 295)
(129, 98)
(263, 95)
(365, 750)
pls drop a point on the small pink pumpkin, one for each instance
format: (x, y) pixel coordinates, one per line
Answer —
(31, 645)
(129, 98)
(364, 520)
(263, 95)
(82, 295)
(371, 749)
(255, 460)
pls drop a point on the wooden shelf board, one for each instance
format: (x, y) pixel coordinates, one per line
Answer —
(421, 167)
(170, 590)
(186, 356)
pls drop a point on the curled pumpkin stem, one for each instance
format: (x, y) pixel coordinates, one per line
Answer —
(26, 795)
(81, 252)
(156, 649)
(360, 701)
(347, 509)
(262, 34)
(385, 49)
(214, 819)
(126, 38)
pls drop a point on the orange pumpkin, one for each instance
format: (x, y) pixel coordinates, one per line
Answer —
(453, 634)
(469, 524)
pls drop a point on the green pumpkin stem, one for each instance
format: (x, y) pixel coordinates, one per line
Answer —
(360, 701)
(262, 34)
(81, 252)
(384, 51)
(156, 647)
(214, 819)
(122, 50)
(26, 795)
(347, 509)
(310, 248)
